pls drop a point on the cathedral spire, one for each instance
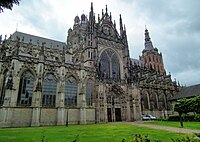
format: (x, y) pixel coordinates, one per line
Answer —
(106, 9)
(147, 43)
(121, 25)
(91, 6)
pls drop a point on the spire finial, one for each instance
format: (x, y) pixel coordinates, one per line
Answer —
(98, 17)
(120, 24)
(102, 13)
(106, 9)
(110, 16)
(91, 6)
(147, 43)
(124, 27)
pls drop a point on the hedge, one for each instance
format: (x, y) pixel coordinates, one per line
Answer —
(187, 117)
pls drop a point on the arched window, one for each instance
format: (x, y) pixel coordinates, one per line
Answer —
(144, 101)
(25, 89)
(153, 101)
(49, 91)
(161, 102)
(71, 92)
(105, 65)
(115, 67)
(109, 65)
(3, 89)
(89, 92)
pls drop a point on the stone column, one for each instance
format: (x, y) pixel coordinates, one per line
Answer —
(82, 101)
(35, 121)
(37, 97)
(60, 100)
(36, 104)
(137, 104)
(128, 110)
(10, 99)
(148, 101)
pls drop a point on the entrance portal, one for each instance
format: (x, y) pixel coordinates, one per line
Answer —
(118, 114)
(109, 114)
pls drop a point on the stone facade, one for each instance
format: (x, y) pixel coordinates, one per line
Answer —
(89, 79)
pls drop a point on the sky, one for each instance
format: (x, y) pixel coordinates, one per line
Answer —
(174, 27)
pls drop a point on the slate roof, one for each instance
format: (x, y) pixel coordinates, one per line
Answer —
(137, 62)
(36, 40)
(187, 92)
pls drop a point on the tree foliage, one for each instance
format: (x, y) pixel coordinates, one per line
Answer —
(184, 106)
(7, 4)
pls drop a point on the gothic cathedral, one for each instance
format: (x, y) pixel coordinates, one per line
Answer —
(90, 78)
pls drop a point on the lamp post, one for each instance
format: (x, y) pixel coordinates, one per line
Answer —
(67, 118)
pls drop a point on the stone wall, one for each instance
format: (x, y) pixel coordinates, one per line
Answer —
(21, 117)
(90, 116)
(48, 116)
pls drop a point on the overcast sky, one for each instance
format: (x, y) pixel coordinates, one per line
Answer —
(174, 27)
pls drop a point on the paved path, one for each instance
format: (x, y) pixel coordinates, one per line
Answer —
(173, 129)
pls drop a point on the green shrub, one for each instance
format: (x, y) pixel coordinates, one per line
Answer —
(162, 119)
(186, 117)
(197, 117)
(194, 138)
(174, 118)
(140, 138)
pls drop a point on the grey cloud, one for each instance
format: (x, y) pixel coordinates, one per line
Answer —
(35, 15)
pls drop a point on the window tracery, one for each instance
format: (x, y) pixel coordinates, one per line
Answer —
(71, 92)
(25, 89)
(109, 65)
(49, 91)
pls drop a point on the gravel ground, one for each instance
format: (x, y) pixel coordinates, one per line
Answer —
(179, 130)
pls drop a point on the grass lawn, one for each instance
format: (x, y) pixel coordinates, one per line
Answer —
(86, 133)
(187, 125)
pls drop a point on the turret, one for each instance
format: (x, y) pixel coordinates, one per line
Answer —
(147, 44)
(150, 55)
(76, 20)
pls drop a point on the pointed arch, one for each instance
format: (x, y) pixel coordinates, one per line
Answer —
(49, 90)
(52, 73)
(161, 101)
(153, 101)
(109, 64)
(22, 70)
(144, 100)
(25, 88)
(71, 91)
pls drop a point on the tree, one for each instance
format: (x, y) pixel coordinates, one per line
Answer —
(195, 105)
(7, 4)
(184, 106)
(181, 108)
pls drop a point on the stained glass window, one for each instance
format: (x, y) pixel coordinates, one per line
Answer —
(71, 92)
(109, 64)
(49, 91)
(25, 89)
(115, 67)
